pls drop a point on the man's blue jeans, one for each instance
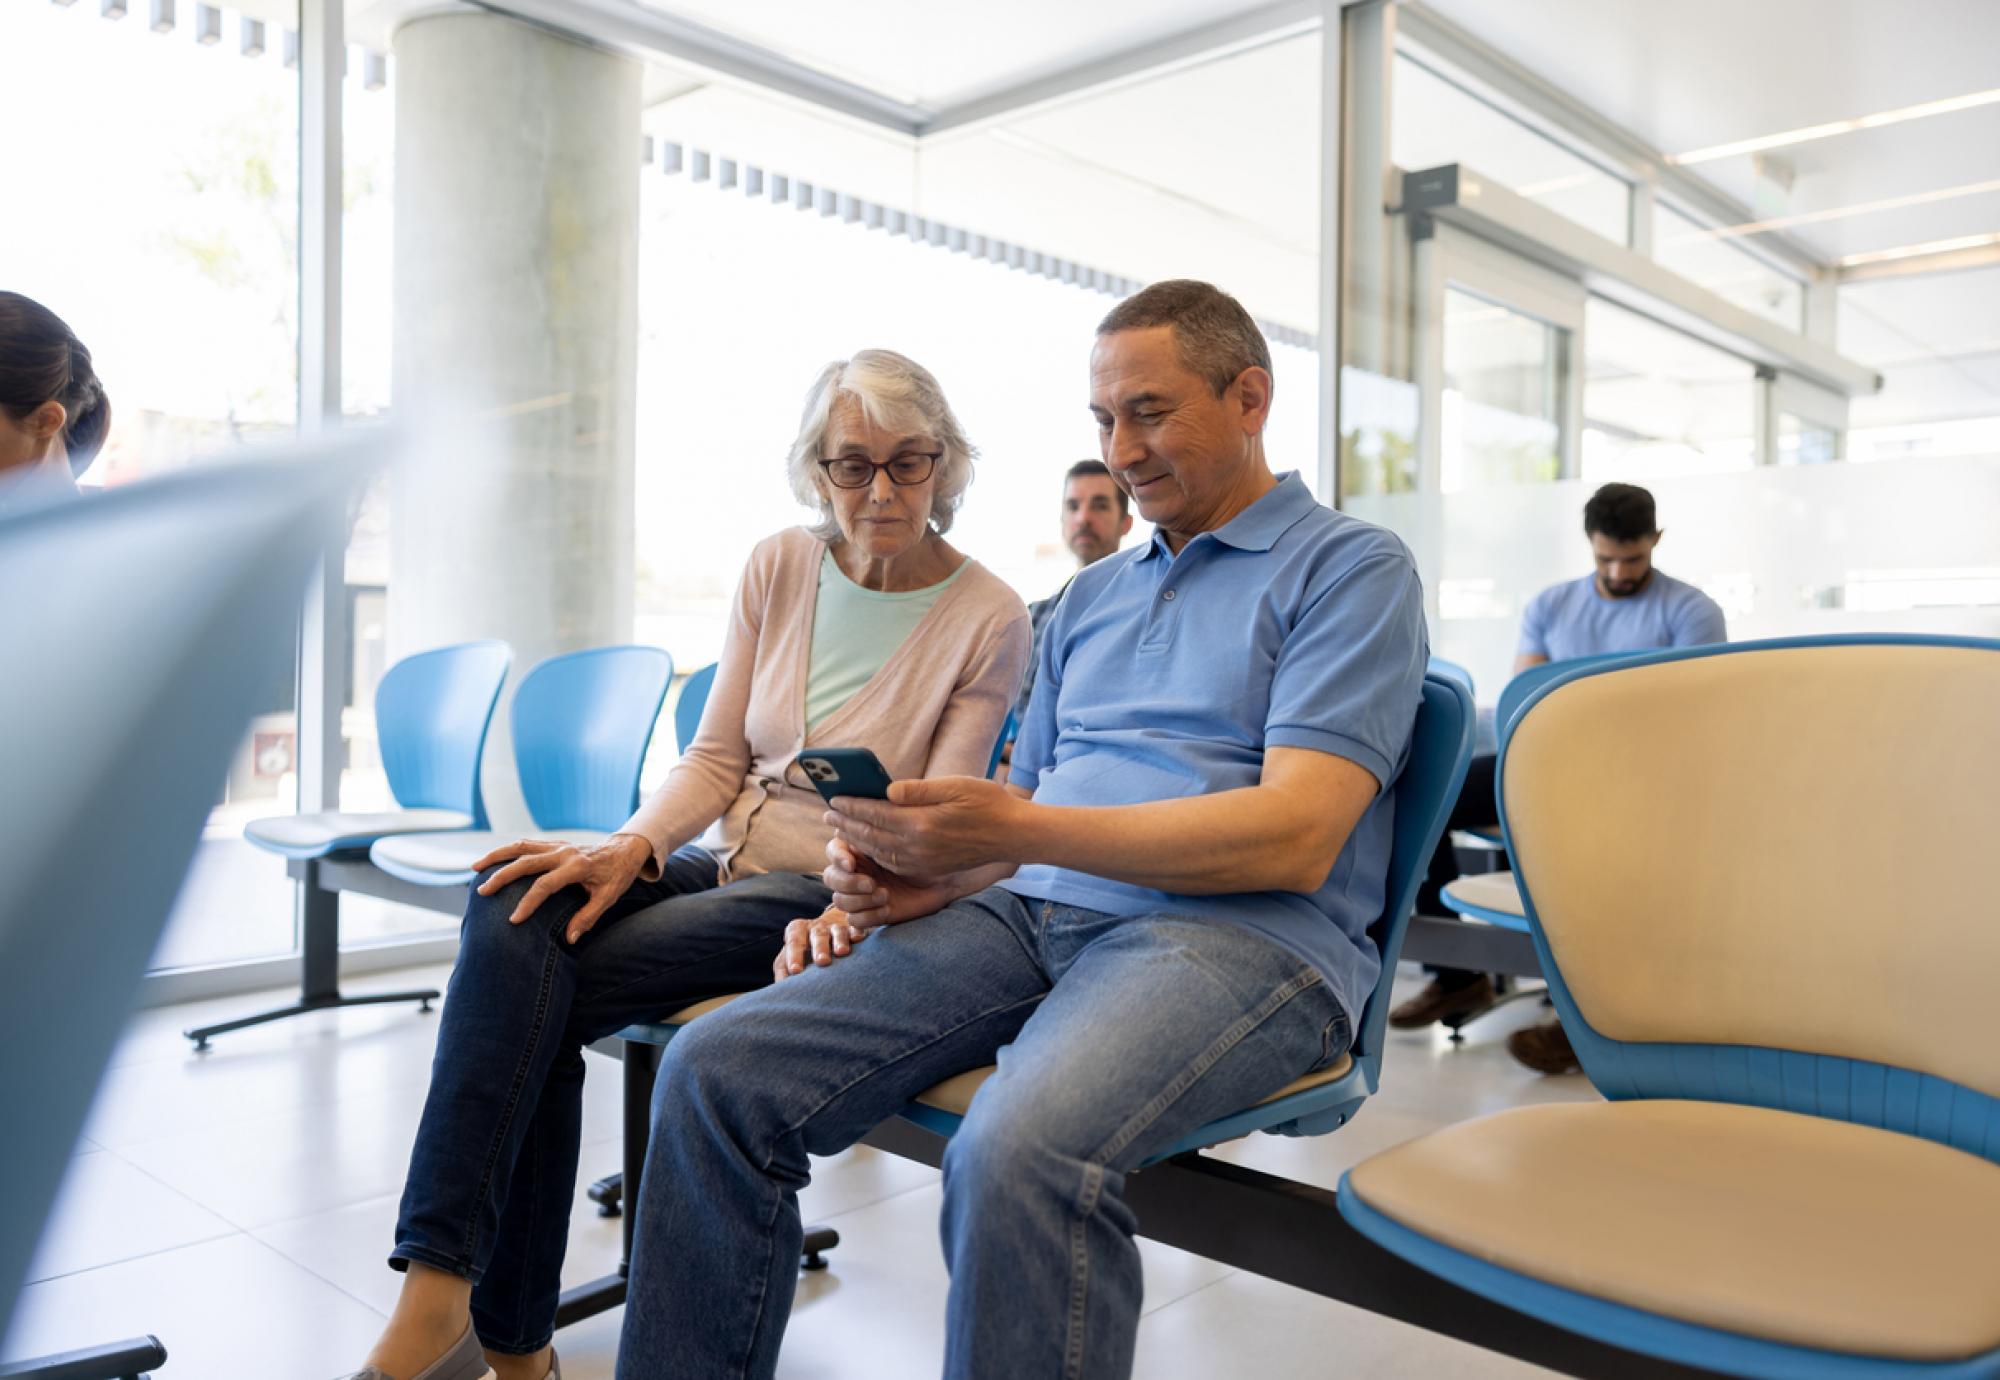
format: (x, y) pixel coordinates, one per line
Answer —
(1121, 1034)
(493, 1171)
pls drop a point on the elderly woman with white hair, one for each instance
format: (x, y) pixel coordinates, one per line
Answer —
(865, 630)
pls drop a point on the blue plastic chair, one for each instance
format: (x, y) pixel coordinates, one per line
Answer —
(1440, 751)
(1440, 667)
(1840, 788)
(581, 722)
(688, 708)
(432, 711)
(1009, 727)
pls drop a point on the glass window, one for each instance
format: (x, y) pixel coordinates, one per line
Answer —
(1658, 403)
(1503, 382)
(1433, 121)
(1726, 269)
(169, 244)
(729, 276)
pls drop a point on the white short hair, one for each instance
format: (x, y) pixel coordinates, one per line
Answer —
(892, 391)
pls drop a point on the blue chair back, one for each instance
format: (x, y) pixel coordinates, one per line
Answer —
(582, 721)
(687, 709)
(1440, 752)
(1827, 796)
(1008, 728)
(1440, 667)
(432, 711)
(133, 656)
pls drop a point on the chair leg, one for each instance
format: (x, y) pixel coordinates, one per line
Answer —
(608, 1193)
(319, 978)
(818, 1239)
(127, 1360)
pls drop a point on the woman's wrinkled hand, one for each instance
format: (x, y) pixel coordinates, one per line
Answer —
(818, 941)
(604, 870)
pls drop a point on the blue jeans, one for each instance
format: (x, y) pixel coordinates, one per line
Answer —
(1120, 1034)
(493, 1171)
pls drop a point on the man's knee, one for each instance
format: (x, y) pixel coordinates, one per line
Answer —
(1002, 1158)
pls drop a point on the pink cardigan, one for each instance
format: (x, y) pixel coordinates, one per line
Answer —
(933, 709)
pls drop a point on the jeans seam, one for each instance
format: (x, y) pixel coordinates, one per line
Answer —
(535, 1028)
(1079, 1270)
(1237, 1032)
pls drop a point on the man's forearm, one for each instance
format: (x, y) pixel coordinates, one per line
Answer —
(1241, 840)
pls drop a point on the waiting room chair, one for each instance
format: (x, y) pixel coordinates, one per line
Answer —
(1492, 898)
(131, 652)
(432, 711)
(1779, 971)
(1440, 749)
(688, 708)
(581, 722)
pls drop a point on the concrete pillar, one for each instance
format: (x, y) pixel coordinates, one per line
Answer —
(516, 300)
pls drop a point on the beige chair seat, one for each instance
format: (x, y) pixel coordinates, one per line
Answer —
(1489, 891)
(955, 1093)
(1790, 1228)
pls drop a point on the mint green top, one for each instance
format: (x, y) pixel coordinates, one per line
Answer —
(855, 631)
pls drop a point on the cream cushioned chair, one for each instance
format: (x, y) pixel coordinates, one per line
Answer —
(1748, 871)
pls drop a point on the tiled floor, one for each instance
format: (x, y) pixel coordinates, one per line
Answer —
(239, 1205)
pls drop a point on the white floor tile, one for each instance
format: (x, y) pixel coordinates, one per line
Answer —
(231, 1309)
(1246, 1325)
(109, 1211)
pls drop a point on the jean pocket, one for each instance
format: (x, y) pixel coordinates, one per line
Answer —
(1334, 1040)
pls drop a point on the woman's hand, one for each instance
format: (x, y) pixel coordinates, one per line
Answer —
(872, 895)
(604, 870)
(821, 940)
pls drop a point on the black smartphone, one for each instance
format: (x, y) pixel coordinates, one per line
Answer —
(845, 771)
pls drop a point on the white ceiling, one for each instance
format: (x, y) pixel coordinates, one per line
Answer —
(1227, 152)
(939, 53)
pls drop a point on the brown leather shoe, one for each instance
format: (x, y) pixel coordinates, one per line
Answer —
(1545, 1048)
(1439, 1003)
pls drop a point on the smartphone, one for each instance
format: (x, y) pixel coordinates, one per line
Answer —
(845, 771)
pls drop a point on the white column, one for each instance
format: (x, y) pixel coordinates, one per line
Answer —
(516, 262)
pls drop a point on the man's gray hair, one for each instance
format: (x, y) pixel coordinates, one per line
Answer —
(895, 393)
(1213, 335)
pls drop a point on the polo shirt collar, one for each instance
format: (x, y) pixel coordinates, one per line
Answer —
(1258, 527)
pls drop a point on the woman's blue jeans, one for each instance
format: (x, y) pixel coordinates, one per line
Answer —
(493, 1172)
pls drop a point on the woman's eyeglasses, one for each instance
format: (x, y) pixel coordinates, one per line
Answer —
(905, 468)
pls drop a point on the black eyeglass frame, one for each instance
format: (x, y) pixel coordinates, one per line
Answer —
(826, 466)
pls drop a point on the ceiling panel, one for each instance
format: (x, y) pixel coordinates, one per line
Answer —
(937, 53)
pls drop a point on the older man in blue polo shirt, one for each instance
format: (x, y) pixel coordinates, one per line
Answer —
(1160, 919)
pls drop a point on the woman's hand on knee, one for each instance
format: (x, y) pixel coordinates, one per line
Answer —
(818, 941)
(604, 870)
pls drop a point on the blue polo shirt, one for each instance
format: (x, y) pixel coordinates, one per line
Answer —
(1163, 676)
(1573, 619)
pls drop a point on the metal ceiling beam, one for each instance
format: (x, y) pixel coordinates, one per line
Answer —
(1510, 85)
(643, 32)
(1460, 196)
(1195, 47)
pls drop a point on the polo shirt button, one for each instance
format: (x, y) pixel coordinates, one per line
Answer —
(1168, 595)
